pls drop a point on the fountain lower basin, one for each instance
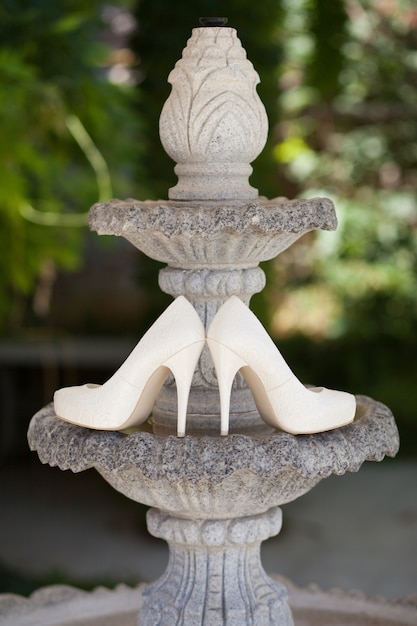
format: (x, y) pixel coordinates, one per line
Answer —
(214, 500)
(65, 606)
(211, 477)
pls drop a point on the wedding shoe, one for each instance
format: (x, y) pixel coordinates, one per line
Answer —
(238, 341)
(174, 343)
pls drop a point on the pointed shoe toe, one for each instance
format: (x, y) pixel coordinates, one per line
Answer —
(341, 409)
(315, 410)
(94, 406)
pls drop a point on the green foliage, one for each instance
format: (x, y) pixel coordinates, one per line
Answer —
(49, 77)
(327, 25)
(349, 134)
(339, 82)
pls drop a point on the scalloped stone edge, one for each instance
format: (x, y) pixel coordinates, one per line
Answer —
(48, 602)
(120, 217)
(371, 437)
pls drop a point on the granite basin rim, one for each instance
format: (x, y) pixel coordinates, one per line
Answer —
(173, 218)
(184, 234)
(213, 477)
(370, 437)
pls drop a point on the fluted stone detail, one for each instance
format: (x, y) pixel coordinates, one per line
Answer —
(204, 285)
(214, 575)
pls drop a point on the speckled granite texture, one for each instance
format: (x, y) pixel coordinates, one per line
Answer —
(242, 475)
(207, 234)
(215, 500)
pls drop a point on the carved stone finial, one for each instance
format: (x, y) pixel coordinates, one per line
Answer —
(213, 123)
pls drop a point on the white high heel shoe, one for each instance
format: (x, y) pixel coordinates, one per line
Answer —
(238, 341)
(173, 343)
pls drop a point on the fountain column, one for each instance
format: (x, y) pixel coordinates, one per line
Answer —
(215, 575)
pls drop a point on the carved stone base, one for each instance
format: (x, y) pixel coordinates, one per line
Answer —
(215, 575)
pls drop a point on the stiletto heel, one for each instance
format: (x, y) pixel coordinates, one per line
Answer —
(226, 364)
(182, 366)
(238, 341)
(174, 343)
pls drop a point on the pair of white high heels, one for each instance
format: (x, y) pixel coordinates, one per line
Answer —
(237, 341)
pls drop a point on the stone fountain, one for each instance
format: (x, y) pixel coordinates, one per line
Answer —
(213, 499)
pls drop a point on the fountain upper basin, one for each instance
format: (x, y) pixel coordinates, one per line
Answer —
(212, 234)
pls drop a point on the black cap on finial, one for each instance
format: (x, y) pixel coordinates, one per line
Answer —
(213, 21)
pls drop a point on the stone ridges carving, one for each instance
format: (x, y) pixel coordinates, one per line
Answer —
(213, 123)
(216, 477)
(201, 532)
(212, 285)
(190, 235)
(218, 563)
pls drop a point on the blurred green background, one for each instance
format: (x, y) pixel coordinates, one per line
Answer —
(81, 89)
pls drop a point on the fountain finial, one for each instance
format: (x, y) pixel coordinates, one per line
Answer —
(213, 123)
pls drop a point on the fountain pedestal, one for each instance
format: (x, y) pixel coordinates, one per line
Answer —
(214, 575)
